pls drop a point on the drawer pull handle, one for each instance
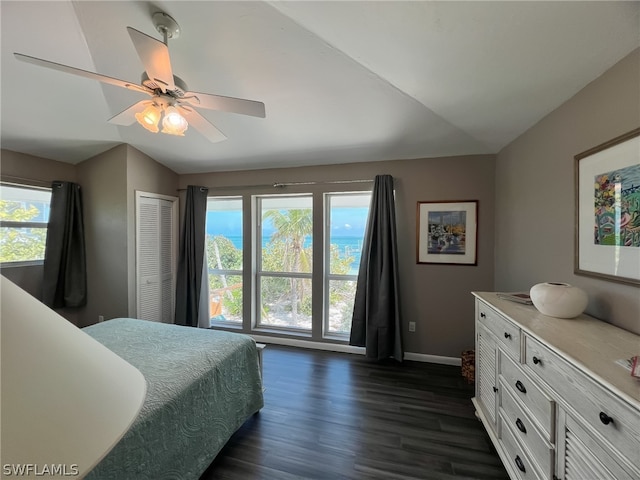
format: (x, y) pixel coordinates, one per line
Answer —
(606, 419)
(519, 464)
(521, 426)
(520, 387)
(507, 335)
(482, 315)
(536, 360)
(495, 389)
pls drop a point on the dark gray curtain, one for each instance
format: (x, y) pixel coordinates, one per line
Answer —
(376, 321)
(64, 282)
(191, 259)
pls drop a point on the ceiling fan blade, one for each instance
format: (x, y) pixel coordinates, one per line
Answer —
(128, 117)
(201, 124)
(155, 58)
(83, 73)
(225, 104)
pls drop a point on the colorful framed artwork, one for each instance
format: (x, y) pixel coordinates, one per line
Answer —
(607, 234)
(447, 232)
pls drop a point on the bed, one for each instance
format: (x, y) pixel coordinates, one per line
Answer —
(202, 385)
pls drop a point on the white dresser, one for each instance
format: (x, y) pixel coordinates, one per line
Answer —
(551, 395)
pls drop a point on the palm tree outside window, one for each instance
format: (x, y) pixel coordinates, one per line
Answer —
(285, 268)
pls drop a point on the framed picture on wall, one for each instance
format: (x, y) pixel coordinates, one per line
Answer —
(607, 234)
(447, 232)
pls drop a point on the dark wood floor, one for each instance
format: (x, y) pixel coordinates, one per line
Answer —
(338, 416)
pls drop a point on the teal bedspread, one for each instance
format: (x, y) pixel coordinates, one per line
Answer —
(201, 387)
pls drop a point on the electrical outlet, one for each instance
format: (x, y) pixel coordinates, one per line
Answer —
(412, 326)
(100, 318)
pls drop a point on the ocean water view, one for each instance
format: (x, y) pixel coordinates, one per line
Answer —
(347, 226)
(347, 247)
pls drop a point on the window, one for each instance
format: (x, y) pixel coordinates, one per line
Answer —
(347, 220)
(224, 241)
(285, 253)
(24, 213)
(294, 282)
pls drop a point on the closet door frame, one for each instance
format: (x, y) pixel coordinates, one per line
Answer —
(174, 244)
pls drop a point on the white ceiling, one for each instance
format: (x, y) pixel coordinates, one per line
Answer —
(341, 81)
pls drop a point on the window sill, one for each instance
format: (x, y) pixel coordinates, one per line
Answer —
(337, 338)
(25, 263)
(281, 332)
(225, 326)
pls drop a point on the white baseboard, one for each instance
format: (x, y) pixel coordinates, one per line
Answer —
(337, 347)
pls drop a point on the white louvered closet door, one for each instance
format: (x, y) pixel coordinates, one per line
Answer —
(156, 218)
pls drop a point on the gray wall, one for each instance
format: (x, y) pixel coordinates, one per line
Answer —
(535, 192)
(30, 170)
(436, 297)
(25, 169)
(103, 181)
(144, 174)
(109, 182)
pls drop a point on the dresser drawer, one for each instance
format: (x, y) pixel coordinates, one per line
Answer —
(601, 410)
(581, 456)
(518, 460)
(507, 333)
(528, 434)
(528, 393)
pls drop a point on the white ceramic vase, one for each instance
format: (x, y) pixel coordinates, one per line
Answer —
(559, 300)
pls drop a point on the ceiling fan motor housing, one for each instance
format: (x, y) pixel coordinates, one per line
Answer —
(158, 86)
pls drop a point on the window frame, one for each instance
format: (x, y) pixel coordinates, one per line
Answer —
(229, 272)
(328, 276)
(259, 274)
(252, 275)
(12, 224)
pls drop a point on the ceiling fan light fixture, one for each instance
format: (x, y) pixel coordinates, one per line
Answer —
(173, 123)
(149, 118)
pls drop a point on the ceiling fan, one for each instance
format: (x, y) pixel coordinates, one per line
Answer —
(170, 99)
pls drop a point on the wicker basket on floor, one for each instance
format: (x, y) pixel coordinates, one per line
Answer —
(469, 365)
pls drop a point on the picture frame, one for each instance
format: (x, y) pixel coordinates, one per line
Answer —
(447, 232)
(607, 210)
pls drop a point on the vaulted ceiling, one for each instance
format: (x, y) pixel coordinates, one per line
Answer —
(341, 81)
